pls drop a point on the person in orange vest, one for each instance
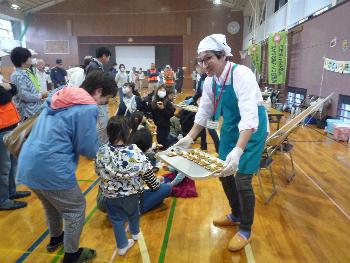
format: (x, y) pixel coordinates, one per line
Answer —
(9, 118)
(152, 74)
(169, 77)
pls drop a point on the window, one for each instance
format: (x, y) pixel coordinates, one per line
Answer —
(279, 4)
(263, 14)
(344, 108)
(6, 29)
(250, 23)
(320, 11)
(295, 96)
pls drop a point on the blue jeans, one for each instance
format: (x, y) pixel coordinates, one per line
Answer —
(121, 210)
(151, 199)
(8, 170)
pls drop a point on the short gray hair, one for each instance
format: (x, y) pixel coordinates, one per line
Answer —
(40, 60)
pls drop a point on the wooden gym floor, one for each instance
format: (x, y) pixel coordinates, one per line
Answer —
(307, 221)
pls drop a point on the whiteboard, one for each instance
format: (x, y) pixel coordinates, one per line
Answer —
(135, 56)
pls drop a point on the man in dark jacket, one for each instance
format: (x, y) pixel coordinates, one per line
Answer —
(179, 79)
(103, 55)
(58, 74)
(8, 163)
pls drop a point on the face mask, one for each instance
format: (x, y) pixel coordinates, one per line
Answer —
(126, 90)
(122, 69)
(34, 61)
(161, 94)
(46, 68)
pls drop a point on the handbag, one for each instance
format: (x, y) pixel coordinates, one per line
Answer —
(15, 138)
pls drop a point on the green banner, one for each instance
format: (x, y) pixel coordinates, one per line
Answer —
(255, 54)
(277, 58)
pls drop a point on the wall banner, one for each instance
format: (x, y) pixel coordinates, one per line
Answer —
(342, 67)
(277, 58)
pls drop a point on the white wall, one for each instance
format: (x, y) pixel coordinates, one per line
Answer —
(286, 17)
(135, 56)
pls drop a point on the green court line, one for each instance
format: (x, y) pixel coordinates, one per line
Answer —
(60, 253)
(167, 232)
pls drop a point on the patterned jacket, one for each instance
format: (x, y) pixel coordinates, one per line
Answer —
(123, 169)
(28, 99)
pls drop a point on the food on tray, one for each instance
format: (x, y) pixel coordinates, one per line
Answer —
(182, 153)
(217, 171)
(219, 164)
(171, 153)
(203, 159)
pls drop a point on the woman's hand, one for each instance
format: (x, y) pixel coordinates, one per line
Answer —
(232, 161)
(44, 94)
(184, 142)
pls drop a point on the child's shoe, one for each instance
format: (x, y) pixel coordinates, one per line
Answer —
(135, 237)
(122, 251)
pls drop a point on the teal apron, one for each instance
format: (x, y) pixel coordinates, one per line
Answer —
(229, 133)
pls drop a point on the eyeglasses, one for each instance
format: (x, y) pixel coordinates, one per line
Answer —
(204, 61)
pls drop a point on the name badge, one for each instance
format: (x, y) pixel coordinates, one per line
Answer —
(212, 124)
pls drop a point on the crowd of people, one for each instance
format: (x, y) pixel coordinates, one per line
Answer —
(72, 119)
(71, 107)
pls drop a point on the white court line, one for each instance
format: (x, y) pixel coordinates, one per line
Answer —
(143, 250)
(113, 256)
(323, 191)
(249, 253)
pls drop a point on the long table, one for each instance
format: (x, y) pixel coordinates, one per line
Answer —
(275, 116)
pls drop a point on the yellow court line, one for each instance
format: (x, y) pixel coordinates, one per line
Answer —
(113, 256)
(143, 250)
(249, 253)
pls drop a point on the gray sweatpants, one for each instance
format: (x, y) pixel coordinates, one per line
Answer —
(67, 206)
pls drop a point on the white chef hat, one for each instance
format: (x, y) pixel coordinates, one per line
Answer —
(215, 42)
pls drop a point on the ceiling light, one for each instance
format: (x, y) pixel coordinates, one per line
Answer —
(216, 2)
(15, 7)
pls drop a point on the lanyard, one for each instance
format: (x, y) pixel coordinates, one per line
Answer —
(216, 101)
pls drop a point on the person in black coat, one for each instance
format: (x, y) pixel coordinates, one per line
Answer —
(58, 74)
(179, 79)
(130, 102)
(103, 55)
(162, 110)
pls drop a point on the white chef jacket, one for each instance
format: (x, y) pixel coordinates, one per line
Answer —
(247, 91)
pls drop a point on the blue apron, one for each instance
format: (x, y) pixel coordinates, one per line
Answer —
(229, 133)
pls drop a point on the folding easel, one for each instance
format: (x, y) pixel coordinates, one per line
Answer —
(278, 142)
